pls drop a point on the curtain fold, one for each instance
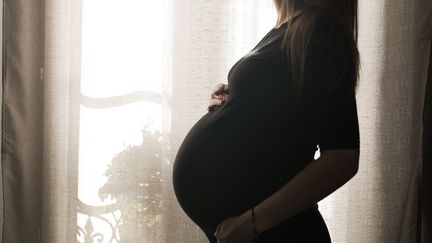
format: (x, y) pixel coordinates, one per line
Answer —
(425, 212)
(78, 86)
(60, 85)
(22, 124)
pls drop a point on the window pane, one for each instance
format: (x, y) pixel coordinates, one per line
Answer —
(121, 47)
(120, 160)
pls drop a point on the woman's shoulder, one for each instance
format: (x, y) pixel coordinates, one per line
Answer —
(326, 27)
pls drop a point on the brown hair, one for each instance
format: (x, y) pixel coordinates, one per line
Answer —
(299, 33)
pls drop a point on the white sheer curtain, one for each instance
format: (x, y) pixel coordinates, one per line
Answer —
(109, 89)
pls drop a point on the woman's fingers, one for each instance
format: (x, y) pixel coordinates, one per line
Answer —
(219, 96)
(222, 96)
(226, 88)
(214, 96)
(218, 101)
(215, 103)
(219, 88)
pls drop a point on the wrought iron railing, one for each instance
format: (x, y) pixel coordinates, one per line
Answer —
(107, 218)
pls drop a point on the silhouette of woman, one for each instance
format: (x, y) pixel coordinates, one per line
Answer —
(246, 172)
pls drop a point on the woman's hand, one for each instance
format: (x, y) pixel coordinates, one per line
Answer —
(236, 229)
(219, 96)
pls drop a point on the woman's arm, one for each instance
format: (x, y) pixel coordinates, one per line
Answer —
(316, 181)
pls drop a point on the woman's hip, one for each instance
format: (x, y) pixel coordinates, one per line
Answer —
(307, 226)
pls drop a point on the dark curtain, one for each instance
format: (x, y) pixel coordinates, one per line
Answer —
(425, 190)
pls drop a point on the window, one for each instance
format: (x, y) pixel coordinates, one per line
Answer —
(121, 110)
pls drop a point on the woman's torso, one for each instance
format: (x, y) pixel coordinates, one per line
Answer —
(242, 152)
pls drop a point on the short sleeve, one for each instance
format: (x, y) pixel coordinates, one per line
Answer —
(337, 122)
(335, 114)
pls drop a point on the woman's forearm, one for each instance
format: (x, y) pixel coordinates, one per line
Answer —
(316, 181)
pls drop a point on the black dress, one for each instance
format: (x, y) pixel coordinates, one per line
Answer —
(244, 151)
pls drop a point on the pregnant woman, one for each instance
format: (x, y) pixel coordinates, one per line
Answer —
(246, 171)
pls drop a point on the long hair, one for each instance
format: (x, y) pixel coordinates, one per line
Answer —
(298, 35)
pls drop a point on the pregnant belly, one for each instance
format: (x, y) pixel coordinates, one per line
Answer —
(204, 169)
(224, 167)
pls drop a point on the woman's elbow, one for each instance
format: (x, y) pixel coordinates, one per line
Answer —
(352, 159)
(355, 160)
(347, 159)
